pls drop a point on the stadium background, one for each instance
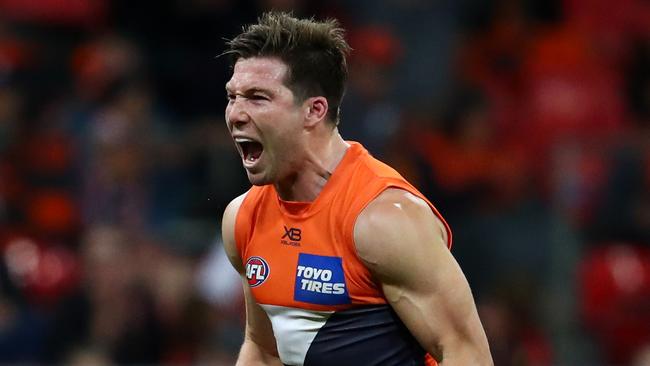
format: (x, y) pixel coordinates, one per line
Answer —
(526, 122)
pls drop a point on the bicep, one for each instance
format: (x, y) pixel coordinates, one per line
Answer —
(433, 299)
(401, 242)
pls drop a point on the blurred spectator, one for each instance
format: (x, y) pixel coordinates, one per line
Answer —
(615, 300)
(514, 337)
(22, 327)
(103, 63)
(624, 212)
(111, 310)
(570, 94)
(426, 31)
(613, 28)
(371, 113)
(121, 166)
(467, 166)
(627, 191)
(15, 54)
(10, 101)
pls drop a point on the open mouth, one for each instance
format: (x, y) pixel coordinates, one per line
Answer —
(251, 150)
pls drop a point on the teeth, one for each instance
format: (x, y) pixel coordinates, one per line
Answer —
(243, 139)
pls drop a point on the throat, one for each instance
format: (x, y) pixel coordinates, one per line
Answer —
(301, 187)
(315, 171)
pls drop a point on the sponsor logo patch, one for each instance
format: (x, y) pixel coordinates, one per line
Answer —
(320, 280)
(257, 271)
(291, 236)
(292, 233)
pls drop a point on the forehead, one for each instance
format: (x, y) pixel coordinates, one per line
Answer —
(257, 72)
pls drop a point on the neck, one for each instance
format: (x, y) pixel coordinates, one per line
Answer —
(321, 158)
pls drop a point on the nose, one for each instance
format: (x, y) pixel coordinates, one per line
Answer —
(236, 115)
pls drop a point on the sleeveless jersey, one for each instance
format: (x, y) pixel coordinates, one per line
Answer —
(303, 269)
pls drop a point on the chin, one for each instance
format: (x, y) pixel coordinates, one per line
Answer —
(258, 179)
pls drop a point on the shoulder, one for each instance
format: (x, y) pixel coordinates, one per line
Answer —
(395, 210)
(373, 184)
(228, 223)
(230, 213)
(394, 222)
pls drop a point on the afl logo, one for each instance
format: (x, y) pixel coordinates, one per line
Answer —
(257, 271)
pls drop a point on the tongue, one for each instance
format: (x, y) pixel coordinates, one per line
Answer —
(254, 151)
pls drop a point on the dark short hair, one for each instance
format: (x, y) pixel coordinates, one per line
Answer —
(314, 52)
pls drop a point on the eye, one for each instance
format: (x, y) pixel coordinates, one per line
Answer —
(259, 97)
(230, 97)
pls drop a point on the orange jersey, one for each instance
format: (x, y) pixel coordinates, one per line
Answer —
(303, 269)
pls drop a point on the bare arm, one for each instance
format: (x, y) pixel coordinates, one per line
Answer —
(404, 245)
(259, 347)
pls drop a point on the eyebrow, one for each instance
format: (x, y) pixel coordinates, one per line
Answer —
(252, 90)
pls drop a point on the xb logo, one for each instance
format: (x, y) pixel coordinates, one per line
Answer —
(294, 234)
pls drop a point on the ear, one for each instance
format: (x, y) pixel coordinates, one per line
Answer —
(315, 110)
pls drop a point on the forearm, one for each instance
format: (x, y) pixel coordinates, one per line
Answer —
(251, 354)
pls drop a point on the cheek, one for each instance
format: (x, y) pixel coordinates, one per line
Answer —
(286, 136)
(279, 125)
(280, 140)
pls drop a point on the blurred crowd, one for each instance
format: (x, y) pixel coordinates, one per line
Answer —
(527, 123)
